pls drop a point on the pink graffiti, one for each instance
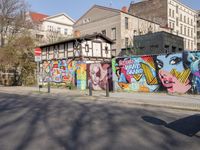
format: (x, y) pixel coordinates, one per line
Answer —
(197, 74)
(125, 62)
(172, 84)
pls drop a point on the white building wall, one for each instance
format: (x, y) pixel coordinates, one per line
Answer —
(182, 20)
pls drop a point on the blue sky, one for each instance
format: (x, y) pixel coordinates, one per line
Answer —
(76, 8)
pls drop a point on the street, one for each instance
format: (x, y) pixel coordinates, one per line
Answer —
(45, 122)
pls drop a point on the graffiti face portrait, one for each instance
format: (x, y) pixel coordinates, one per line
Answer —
(194, 64)
(98, 75)
(172, 73)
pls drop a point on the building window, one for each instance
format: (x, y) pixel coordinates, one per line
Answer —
(177, 9)
(188, 31)
(126, 42)
(170, 12)
(198, 34)
(191, 32)
(126, 22)
(103, 32)
(188, 21)
(180, 17)
(113, 34)
(184, 30)
(188, 44)
(184, 19)
(173, 49)
(166, 49)
(173, 13)
(86, 20)
(58, 29)
(106, 49)
(181, 29)
(86, 48)
(66, 31)
(177, 23)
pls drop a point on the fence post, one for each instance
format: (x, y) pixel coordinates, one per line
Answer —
(107, 89)
(90, 88)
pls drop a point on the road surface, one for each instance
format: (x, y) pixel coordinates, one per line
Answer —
(41, 122)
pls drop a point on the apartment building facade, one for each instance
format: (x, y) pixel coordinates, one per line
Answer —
(118, 25)
(48, 29)
(198, 30)
(181, 19)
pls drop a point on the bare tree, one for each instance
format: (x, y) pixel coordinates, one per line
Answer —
(55, 36)
(12, 18)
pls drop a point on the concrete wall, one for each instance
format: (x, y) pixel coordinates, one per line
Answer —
(158, 43)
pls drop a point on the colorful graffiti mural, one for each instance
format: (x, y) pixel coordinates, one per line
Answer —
(193, 62)
(99, 75)
(135, 74)
(175, 73)
(81, 76)
(172, 73)
(59, 71)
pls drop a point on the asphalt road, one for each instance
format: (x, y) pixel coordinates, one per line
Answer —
(29, 122)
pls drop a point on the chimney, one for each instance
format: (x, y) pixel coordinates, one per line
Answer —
(124, 9)
(77, 33)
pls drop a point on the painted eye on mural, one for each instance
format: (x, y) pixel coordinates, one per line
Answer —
(159, 63)
(175, 60)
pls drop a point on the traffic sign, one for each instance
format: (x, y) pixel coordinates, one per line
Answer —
(38, 51)
(38, 58)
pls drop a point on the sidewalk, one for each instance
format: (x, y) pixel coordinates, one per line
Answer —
(187, 102)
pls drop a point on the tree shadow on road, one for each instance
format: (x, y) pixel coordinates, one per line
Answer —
(188, 126)
(39, 122)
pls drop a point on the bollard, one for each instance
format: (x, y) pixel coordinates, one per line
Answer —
(107, 89)
(40, 86)
(49, 87)
(90, 88)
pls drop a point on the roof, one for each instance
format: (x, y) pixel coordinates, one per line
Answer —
(85, 37)
(37, 17)
(60, 14)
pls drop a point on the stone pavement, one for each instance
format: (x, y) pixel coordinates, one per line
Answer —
(187, 102)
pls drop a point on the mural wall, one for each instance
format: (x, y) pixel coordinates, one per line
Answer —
(174, 73)
(77, 73)
(81, 76)
(99, 75)
(59, 71)
(135, 74)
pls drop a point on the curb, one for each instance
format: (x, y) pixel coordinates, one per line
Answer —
(153, 104)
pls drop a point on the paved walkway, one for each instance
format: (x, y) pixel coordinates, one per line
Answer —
(188, 102)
